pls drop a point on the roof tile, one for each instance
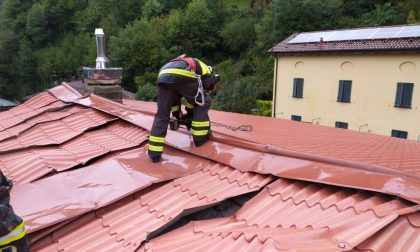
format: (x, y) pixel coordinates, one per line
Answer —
(400, 44)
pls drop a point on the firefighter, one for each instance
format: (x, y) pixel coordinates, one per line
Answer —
(189, 78)
(12, 231)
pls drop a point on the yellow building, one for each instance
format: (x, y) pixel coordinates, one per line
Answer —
(366, 79)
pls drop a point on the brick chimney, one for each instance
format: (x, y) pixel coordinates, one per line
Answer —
(102, 80)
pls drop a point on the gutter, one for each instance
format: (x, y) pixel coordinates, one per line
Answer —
(273, 109)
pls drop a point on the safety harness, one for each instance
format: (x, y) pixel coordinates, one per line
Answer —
(193, 67)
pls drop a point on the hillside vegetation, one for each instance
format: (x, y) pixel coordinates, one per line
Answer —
(45, 42)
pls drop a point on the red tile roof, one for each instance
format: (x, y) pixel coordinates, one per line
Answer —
(106, 200)
(349, 46)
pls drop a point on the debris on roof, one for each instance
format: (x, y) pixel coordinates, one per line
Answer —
(83, 181)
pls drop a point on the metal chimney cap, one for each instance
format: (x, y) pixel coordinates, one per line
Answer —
(99, 31)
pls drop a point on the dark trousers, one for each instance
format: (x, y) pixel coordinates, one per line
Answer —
(21, 245)
(168, 95)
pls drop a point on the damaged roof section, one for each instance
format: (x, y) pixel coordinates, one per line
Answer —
(127, 223)
(292, 215)
(107, 195)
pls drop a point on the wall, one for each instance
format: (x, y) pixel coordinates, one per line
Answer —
(374, 86)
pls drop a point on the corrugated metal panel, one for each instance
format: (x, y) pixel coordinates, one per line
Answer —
(129, 221)
(227, 235)
(294, 215)
(315, 139)
(307, 152)
(40, 100)
(317, 217)
(403, 234)
(45, 117)
(21, 113)
(79, 191)
(28, 165)
(56, 132)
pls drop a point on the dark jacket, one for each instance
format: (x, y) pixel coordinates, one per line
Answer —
(8, 219)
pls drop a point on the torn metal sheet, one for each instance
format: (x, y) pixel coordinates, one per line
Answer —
(30, 164)
(268, 159)
(127, 223)
(57, 198)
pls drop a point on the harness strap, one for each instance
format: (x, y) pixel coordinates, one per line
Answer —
(189, 61)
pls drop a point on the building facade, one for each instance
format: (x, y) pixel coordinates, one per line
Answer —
(367, 85)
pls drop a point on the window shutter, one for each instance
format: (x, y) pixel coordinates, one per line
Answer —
(340, 90)
(298, 88)
(347, 91)
(399, 96)
(407, 95)
(294, 87)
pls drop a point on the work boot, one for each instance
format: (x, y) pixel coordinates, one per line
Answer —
(201, 140)
(154, 156)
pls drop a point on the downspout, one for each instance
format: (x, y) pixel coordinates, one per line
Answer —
(273, 109)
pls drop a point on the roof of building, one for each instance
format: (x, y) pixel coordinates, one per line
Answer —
(318, 188)
(6, 103)
(336, 41)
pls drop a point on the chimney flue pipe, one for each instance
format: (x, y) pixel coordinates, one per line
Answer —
(101, 59)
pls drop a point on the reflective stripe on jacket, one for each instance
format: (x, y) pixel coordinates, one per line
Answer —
(14, 235)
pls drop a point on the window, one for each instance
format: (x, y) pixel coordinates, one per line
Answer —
(298, 88)
(399, 133)
(342, 125)
(404, 95)
(296, 118)
(344, 91)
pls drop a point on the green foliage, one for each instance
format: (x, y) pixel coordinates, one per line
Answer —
(152, 8)
(264, 108)
(36, 24)
(43, 41)
(146, 92)
(238, 96)
(385, 14)
(239, 34)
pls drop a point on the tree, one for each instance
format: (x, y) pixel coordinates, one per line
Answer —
(238, 96)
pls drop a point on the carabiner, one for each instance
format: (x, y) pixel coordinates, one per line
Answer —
(200, 92)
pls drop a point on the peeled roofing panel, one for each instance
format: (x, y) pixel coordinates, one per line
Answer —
(36, 102)
(56, 132)
(129, 221)
(22, 167)
(315, 139)
(45, 117)
(326, 141)
(22, 113)
(28, 165)
(226, 235)
(295, 163)
(79, 191)
(403, 234)
(298, 216)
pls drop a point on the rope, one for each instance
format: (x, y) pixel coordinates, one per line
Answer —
(245, 127)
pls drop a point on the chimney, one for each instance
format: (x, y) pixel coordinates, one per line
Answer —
(321, 42)
(102, 80)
